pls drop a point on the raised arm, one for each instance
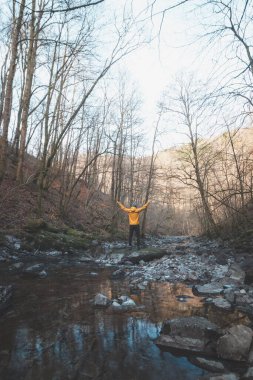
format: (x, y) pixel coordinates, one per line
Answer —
(123, 208)
(143, 207)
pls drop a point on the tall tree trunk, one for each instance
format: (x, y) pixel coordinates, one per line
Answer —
(200, 184)
(3, 85)
(238, 170)
(17, 24)
(150, 175)
(31, 63)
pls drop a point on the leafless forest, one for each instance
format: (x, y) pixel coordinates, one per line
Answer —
(71, 129)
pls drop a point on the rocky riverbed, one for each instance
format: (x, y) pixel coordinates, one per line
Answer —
(219, 341)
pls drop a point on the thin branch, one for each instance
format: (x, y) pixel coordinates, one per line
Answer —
(65, 9)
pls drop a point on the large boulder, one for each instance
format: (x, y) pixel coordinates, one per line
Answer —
(146, 254)
(198, 335)
(194, 334)
(235, 344)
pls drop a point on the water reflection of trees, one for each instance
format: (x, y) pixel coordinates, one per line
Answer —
(57, 334)
(109, 346)
(162, 303)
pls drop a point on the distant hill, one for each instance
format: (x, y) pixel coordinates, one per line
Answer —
(226, 167)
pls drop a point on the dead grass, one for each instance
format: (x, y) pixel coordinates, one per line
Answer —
(19, 205)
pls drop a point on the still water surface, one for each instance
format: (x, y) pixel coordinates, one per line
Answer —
(52, 331)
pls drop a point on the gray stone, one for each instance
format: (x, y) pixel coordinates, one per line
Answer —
(36, 268)
(181, 343)
(210, 365)
(221, 303)
(209, 300)
(194, 327)
(236, 273)
(210, 289)
(54, 253)
(123, 298)
(43, 274)
(116, 305)
(129, 303)
(85, 259)
(15, 242)
(146, 254)
(235, 344)
(101, 300)
(242, 299)
(226, 376)
(192, 276)
(17, 266)
(195, 334)
(229, 295)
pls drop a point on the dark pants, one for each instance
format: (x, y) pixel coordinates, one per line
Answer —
(134, 228)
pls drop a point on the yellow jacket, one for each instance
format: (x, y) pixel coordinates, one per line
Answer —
(133, 212)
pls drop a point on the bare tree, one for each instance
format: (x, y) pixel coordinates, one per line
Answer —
(190, 108)
(34, 31)
(151, 171)
(8, 95)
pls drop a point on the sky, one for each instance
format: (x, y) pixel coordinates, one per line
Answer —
(175, 49)
(154, 66)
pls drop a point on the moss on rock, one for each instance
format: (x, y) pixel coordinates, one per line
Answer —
(60, 240)
(34, 225)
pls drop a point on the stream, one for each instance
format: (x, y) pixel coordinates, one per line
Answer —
(52, 331)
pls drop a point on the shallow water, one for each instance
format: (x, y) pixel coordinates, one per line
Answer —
(52, 331)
